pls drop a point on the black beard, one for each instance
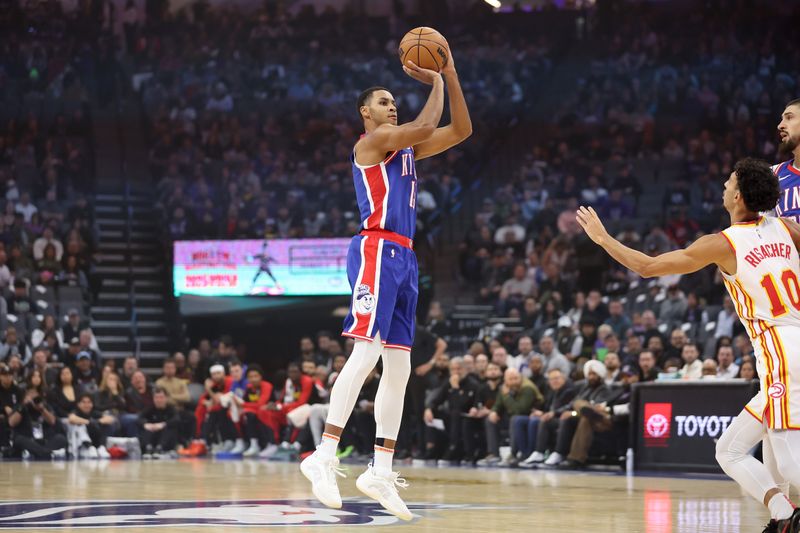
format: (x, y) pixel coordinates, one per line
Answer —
(787, 147)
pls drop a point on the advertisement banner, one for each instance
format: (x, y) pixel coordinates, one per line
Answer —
(678, 423)
(288, 267)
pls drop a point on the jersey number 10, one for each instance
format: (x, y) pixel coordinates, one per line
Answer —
(792, 286)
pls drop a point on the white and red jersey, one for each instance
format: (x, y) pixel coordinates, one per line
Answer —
(766, 293)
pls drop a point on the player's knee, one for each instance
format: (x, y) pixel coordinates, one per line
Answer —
(728, 452)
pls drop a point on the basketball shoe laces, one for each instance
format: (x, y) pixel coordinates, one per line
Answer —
(332, 469)
(388, 484)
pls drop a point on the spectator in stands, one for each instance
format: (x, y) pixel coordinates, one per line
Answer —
(599, 418)
(613, 367)
(72, 329)
(296, 392)
(138, 397)
(37, 432)
(10, 396)
(176, 388)
(63, 393)
(727, 369)
(648, 371)
(12, 346)
(515, 289)
(90, 428)
(86, 374)
(677, 340)
(747, 370)
(25, 207)
(552, 357)
(89, 345)
(212, 416)
(693, 366)
(514, 398)
(42, 242)
(709, 369)
(726, 319)
(47, 326)
(6, 278)
(257, 394)
(40, 363)
(593, 391)
(617, 319)
(129, 367)
(110, 397)
(524, 429)
(159, 427)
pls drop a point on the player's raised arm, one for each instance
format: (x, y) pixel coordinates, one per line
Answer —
(460, 126)
(703, 252)
(389, 137)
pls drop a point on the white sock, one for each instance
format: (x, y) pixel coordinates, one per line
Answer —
(382, 462)
(328, 445)
(780, 507)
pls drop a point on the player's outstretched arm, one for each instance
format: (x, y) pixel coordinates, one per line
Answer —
(388, 137)
(460, 126)
(709, 249)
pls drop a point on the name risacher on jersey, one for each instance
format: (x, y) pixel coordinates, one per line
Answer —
(765, 251)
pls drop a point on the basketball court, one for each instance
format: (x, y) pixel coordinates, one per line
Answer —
(204, 495)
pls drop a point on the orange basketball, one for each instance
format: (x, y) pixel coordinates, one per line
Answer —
(425, 47)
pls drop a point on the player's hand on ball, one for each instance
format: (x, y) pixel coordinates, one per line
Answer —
(591, 224)
(420, 74)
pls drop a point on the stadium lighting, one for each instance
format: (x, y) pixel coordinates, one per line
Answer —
(494, 3)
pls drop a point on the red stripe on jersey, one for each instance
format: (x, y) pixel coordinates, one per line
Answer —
(791, 168)
(370, 259)
(376, 189)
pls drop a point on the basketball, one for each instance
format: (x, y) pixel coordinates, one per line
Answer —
(426, 47)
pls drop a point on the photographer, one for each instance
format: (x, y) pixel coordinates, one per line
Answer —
(36, 429)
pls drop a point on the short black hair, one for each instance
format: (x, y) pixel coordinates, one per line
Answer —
(255, 368)
(757, 184)
(796, 101)
(365, 96)
(84, 396)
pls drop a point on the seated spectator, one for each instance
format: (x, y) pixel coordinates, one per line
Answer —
(13, 345)
(40, 363)
(40, 245)
(296, 392)
(90, 428)
(110, 397)
(599, 418)
(86, 373)
(47, 326)
(63, 394)
(514, 398)
(89, 345)
(618, 321)
(177, 389)
(515, 289)
(256, 396)
(709, 369)
(613, 366)
(693, 366)
(461, 394)
(138, 397)
(158, 425)
(73, 327)
(10, 396)
(747, 370)
(560, 393)
(213, 426)
(129, 367)
(593, 391)
(37, 432)
(648, 371)
(728, 369)
(552, 357)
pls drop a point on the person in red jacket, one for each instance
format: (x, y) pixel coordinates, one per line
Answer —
(296, 392)
(210, 415)
(256, 396)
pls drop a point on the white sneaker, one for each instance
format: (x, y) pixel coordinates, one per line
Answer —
(59, 454)
(253, 450)
(269, 451)
(26, 455)
(322, 472)
(554, 459)
(383, 488)
(227, 446)
(240, 447)
(102, 453)
(535, 457)
(89, 452)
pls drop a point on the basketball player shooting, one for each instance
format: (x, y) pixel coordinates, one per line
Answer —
(382, 270)
(757, 256)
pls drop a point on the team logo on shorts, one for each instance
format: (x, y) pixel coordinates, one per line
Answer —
(776, 390)
(210, 515)
(365, 300)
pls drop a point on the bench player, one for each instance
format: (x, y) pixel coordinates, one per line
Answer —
(382, 270)
(757, 256)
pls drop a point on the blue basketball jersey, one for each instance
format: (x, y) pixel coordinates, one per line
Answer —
(789, 180)
(387, 193)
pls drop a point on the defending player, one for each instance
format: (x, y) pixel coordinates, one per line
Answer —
(382, 270)
(788, 172)
(758, 258)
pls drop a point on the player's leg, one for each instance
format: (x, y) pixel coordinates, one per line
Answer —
(379, 481)
(733, 455)
(364, 322)
(772, 465)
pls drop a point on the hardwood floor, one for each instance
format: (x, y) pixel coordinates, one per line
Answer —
(204, 495)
